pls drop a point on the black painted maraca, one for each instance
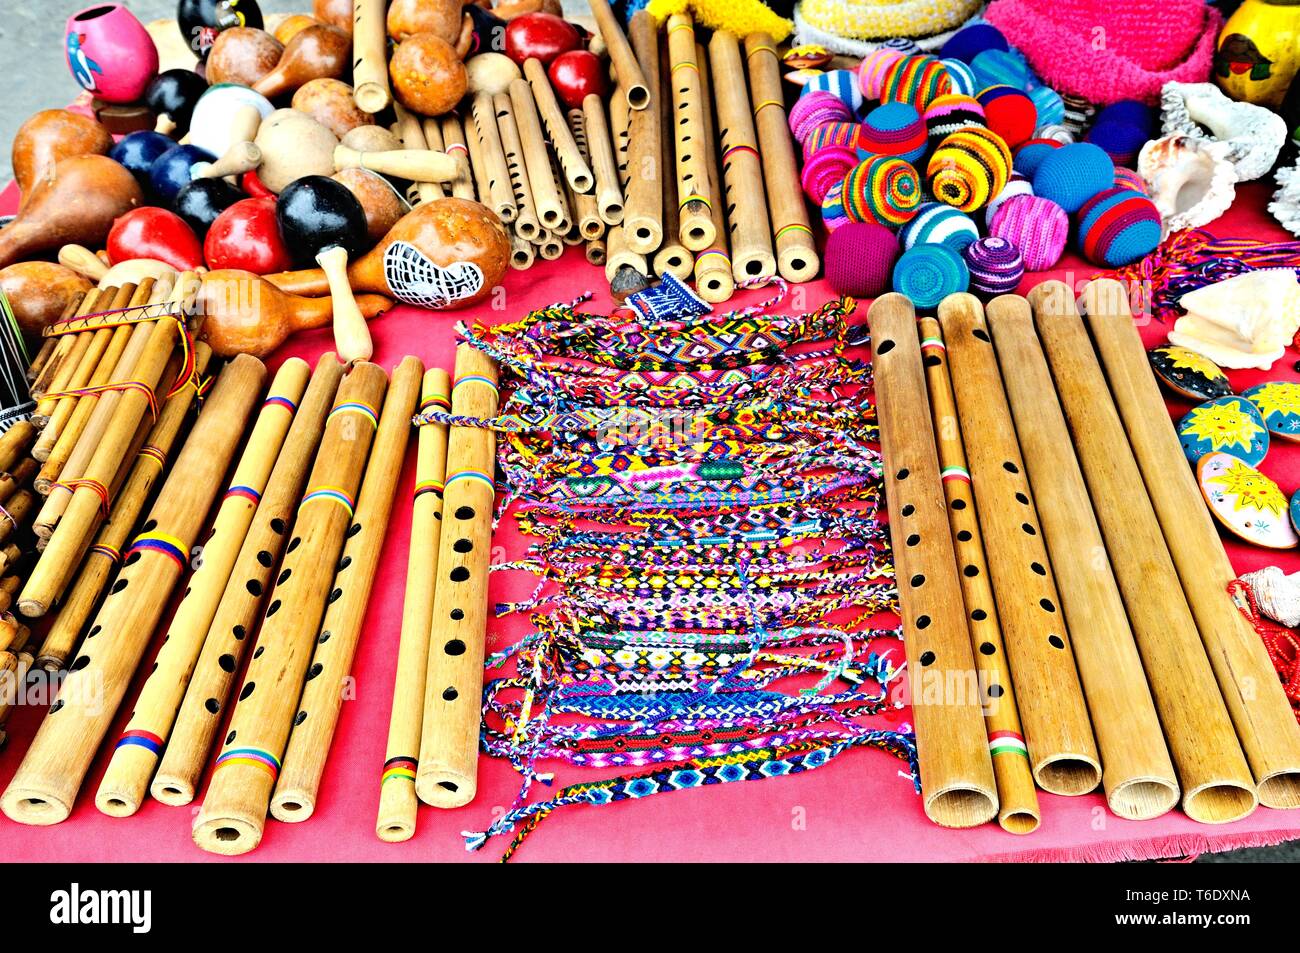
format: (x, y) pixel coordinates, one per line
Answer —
(172, 96)
(321, 218)
(200, 202)
(201, 20)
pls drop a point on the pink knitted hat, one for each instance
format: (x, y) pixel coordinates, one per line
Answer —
(1147, 43)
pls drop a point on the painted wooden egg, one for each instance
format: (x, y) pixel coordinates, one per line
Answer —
(1295, 510)
(1248, 503)
(1279, 402)
(809, 56)
(1187, 373)
(1229, 424)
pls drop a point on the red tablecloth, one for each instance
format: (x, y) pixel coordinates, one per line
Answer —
(857, 808)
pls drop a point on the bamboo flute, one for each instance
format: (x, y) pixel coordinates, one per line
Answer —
(1018, 810)
(1062, 751)
(1216, 782)
(630, 75)
(11, 685)
(643, 214)
(397, 800)
(694, 197)
(672, 255)
(573, 165)
(126, 781)
(199, 717)
(370, 56)
(526, 224)
(1265, 724)
(447, 775)
(1137, 773)
(45, 786)
(410, 129)
(498, 195)
(600, 147)
(130, 493)
(233, 815)
(712, 267)
(586, 207)
(15, 443)
(454, 144)
(537, 162)
(957, 780)
(477, 166)
(522, 253)
(339, 632)
(19, 477)
(15, 512)
(796, 252)
(69, 348)
(597, 252)
(550, 247)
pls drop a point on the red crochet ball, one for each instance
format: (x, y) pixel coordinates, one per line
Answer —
(860, 259)
(1009, 113)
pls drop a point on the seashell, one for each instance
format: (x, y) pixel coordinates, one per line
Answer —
(1191, 180)
(1056, 132)
(1243, 321)
(1276, 594)
(1285, 206)
(1254, 134)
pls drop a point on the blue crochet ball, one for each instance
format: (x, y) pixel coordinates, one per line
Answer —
(893, 129)
(1118, 227)
(1030, 156)
(969, 42)
(1073, 174)
(1050, 106)
(1129, 111)
(962, 77)
(840, 83)
(929, 273)
(1001, 68)
(937, 223)
(1122, 141)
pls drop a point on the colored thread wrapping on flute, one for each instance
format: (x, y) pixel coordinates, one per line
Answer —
(111, 553)
(150, 452)
(1008, 742)
(163, 543)
(331, 494)
(245, 493)
(399, 769)
(278, 401)
(106, 388)
(436, 487)
(365, 410)
(101, 491)
(252, 757)
(140, 738)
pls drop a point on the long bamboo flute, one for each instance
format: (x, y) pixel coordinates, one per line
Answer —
(46, 784)
(643, 215)
(1260, 713)
(796, 252)
(712, 266)
(16, 512)
(626, 66)
(586, 207)
(1018, 810)
(48, 345)
(499, 196)
(126, 781)
(447, 775)
(370, 56)
(694, 197)
(454, 144)
(298, 787)
(19, 476)
(410, 129)
(56, 373)
(201, 712)
(597, 252)
(477, 165)
(526, 224)
(397, 800)
(957, 780)
(233, 815)
(672, 255)
(15, 443)
(609, 191)
(522, 253)
(1212, 771)
(572, 164)
(537, 162)
(131, 492)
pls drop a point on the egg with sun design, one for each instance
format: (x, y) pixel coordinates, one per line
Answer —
(1279, 403)
(1247, 502)
(1187, 373)
(1231, 424)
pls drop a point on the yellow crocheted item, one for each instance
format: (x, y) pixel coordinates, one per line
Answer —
(879, 19)
(740, 17)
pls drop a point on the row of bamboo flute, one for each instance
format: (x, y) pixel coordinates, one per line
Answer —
(17, 506)
(1063, 588)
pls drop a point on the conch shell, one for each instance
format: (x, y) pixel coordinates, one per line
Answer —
(1276, 594)
(1192, 181)
(1285, 206)
(1254, 134)
(1243, 321)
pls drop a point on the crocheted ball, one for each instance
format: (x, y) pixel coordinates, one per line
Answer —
(894, 129)
(970, 41)
(882, 189)
(832, 134)
(962, 77)
(968, 168)
(816, 109)
(1027, 156)
(904, 44)
(1120, 140)
(929, 273)
(1048, 103)
(1117, 227)
(1128, 179)
(859, 259)
(825, 168)
(1016, 185)
(840, 83)
(1009, 113)
(996, 266)
(833, 208)
(1131, 112)
(949, 113)
(915, 80)
(1056, 132)
(1073, 174)
(936, 223)
(871, 71)
(1001, 68)
(1037, 226)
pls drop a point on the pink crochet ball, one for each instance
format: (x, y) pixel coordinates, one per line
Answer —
(832, 134)
(871, 73)
(1038, 227)
(826, 168)
(1009, 113)
(860, 259)
(816, 109)
(1016, 185)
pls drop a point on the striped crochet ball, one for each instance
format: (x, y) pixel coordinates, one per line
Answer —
(949, 113)
(968, 168)
(815, 109)
(827, 167)
(832, 134)
(1016, 185)
(939, 224)
(1001, 68)
(962, 77)
(883, 189)
(1037, 226)
(1048, 104)
(1009, 113)
(872, 69)
(1118, 227)
(840, 83)
(894, 129)
(1128, 179)
(1028, 154)
(996, 266)
(929, 273)
(833, 208)
(915, 80)
(1072, 174)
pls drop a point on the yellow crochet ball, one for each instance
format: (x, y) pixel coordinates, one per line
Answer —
(968, 168)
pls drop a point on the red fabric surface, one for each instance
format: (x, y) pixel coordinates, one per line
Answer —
(856, 808)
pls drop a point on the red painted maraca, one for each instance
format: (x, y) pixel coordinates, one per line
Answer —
(110, 53)
(246, 237)
(320, 218)
(171, 97)
(157, 234)
(51, 135)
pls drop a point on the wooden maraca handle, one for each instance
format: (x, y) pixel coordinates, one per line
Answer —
(351, 336)
(83, 261)
(414, 164)
(240, 158)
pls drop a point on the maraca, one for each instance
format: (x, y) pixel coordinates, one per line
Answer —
(139, 151)
(76, 201)
(154, 233)
(383, 204)
(85, 262)
(39, 291)
(200, 202)
(247, 315)
(174, 169)
(110, 53)
(317, 52)
(172, 97)
(330, 103)
(243, 56)
(247, 236)
(293, 145)
(428, 75)
(240, 155)
(290, 26)
(201, 21)
(337, 13)
(51, 135)
(320, 217)
(443, 18)
(216, 124)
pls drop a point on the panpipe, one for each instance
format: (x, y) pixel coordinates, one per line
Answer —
(1260, 713)
(78, 362)
(126, 782)
(340, 630)
(233, 815)
(712, 268)
(627, 67)
(694, 198)
(574, 167)
(370, 56)
(796, 252)
(672, 255)
(1137, 774)
(54, 373)
(201, 712)
(1018, 810)
(498, 195)
(46, 784)
(397, 799)
(604, 168)
(537, 161)
(643, 212)
(526, 224)
(1058, 733)
(957, 780)
(1216, 782)
(447, 775)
